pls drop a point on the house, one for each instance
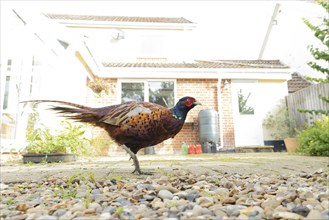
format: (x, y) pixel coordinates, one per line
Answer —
(148, 59)
(150, 55)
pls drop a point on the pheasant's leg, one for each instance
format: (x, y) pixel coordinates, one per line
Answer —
(136, 162)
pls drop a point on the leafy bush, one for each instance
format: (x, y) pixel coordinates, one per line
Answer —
(68, 140)
(314, 140)
(279, 123)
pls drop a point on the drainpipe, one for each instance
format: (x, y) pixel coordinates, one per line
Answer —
(220, 111)
(269, 29)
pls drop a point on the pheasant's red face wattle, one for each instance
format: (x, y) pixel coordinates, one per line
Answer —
(189, 102)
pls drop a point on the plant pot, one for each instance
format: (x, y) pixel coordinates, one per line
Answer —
(291, 144)
(278, 145)
(49, 158)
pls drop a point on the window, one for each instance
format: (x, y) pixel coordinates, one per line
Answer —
(132, 91)
(161, 92)
(245, 102)
(9, 65)
(7, 85)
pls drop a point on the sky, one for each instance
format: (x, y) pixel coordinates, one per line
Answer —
(225, 29)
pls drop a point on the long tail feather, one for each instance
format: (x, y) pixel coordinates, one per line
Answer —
(75, 112)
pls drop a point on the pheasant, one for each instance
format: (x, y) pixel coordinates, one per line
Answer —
(134, 125)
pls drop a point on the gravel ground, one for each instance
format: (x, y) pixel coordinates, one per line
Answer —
(220, 186)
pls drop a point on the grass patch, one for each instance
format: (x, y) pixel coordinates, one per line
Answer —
(176, 163)
(120, 210)
(88, 176)
(228, 159)
(10, 202)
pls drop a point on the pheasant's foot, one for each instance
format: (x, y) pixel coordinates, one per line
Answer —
(139, 172)
(136, 163)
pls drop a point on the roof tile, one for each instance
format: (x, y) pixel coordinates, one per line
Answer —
(270, 64)
(297, 82)
(179, 20)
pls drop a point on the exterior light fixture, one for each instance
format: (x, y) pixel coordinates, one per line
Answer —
(225, 84)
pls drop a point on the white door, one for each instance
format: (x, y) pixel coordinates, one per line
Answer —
(247, 123)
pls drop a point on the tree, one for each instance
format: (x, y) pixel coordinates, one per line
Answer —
(322, 33)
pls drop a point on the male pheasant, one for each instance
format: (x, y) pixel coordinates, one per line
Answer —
(134, 125)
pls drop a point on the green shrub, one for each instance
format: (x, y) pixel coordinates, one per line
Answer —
(279, 123)
(314, 140)
(70, 139)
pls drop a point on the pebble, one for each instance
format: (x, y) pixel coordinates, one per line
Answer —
(19, 217)
(287, 215)
(250, 211)
(47, 217)
(218, 211)
(168, 188)
(197, 210)
(191, 196)
(314, 214)
(21, 207)
(165, 194)
(301, 210)
(59, 212)
(228, 200)
(205, 202)
(234, 210)
(188, 196)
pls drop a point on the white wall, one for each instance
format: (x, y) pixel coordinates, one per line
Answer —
(172, 44)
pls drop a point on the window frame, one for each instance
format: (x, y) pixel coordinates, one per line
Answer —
(146, 87)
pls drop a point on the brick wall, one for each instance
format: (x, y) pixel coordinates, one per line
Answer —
(205, 91)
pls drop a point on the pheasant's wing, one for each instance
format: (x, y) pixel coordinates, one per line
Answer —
(120, 113)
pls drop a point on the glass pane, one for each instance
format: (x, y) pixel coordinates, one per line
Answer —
(5, 98)
(132, 92)
(245, 102)
(162, 93)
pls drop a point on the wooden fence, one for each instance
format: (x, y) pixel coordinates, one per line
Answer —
(307, 98)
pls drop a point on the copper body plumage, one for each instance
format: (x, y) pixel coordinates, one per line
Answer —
(133, 125)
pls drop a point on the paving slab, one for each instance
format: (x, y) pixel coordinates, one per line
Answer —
(13, 170)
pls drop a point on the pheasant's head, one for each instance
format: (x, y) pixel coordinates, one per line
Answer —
(188, 102)
(184, 105)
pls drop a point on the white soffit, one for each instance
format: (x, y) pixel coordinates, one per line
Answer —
(196, 73)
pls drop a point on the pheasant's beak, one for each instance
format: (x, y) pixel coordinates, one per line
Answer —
(197, 103)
